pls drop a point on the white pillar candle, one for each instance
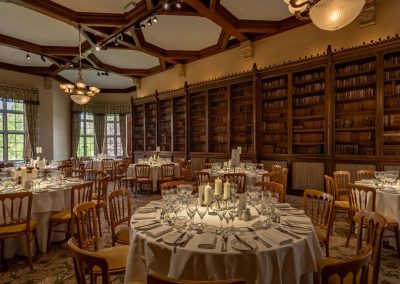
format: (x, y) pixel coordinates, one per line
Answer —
(201, 193)
(24, 176)
(34, 173)
(218, 186)
(229, 164)
(227, 190)
(207, 194)
(158, 149)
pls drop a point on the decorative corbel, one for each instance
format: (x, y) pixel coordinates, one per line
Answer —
(247, 49)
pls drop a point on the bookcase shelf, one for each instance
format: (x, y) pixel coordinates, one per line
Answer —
(139, 128)
(165, 127)
(179, 114)
(197, 101)
(151, 126)
(218, 120)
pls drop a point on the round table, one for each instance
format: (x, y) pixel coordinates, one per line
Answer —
(251, 177)
(290, 263)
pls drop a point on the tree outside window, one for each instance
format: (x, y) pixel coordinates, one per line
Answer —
(86, 139)
(113, 135)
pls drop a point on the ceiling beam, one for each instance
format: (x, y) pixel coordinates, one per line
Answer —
(223, 40)
(216, 18)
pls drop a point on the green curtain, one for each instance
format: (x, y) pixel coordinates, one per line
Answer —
(122, 129)
(99, 127)
(32, 120)
(75, 132)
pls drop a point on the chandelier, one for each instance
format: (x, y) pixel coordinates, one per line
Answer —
(80, 93)
(327, 15)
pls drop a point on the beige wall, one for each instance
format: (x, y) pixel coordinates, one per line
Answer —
(113, 98)
(291, 45)
(54, 122)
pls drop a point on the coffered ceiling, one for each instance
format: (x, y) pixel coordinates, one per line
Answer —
(199, 28)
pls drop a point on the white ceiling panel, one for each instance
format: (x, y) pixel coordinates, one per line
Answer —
(182, 33)
(18, 57)
(267, 10)
(130, 59)
(112, 81)
(28, 25)
(96, 6)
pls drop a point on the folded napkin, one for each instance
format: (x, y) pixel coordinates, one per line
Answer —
(145, 209)
(282, 205)
(297, 220)
(207, 241)
(275, 236)
(155, 203)
(141, 216)
(370, 181)
(159, 231)
(147, 224)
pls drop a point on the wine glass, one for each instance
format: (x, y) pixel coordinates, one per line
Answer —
(233, 212)
(191, 208)
(201, 211)
(227, 216)
(220, 209)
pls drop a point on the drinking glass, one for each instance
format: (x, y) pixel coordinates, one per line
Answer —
(191, 209)
(227, 216)
(201, 211)
(221, 211)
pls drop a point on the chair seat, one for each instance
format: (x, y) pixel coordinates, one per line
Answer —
(321, 234)
(128, 179)
(342, 204)
(167, 179)
(344, 197)
(391, 222)
(116, 258)
(97, 202)
(61, 216)
(122, 235)
(15, 229)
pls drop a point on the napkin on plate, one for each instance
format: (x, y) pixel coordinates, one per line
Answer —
(159, 231)
(275, 236)
(155, 203)
(141, 216)
(282, 205)
(297, 220)
(147, 224)
(207, 241)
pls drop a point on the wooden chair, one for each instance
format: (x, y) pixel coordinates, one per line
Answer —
(154, 278)
(203, 177)
(278, 170)
(107, 166)
(272, 187)
(239, 179)
(186, 171)
(88, 169)
(100, 199)
(340, 205)
(79, 193)
(74, 173)
(319, 206)
(127, 161)
(64, 168)
(143, 177)
(86, 222)
(365, 174)
(120, 213)
(259, 166)
(15, 220)
(167, 173)
(121, 177)
(74, 162)
(342, 179)
(88, 263)
(207, 166)
(285, 176)
(174, 184)
(269, 177)
(354, 270)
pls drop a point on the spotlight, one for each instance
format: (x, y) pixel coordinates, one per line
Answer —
(106, 73)
(178, 4)
(43, 59)
(98, 73)
(98, 48)
(149, 23)
(166, 6)
(120, 37)
(71, 65)
(28, 56)
(116, 41)
(142, 26)
(155, 20)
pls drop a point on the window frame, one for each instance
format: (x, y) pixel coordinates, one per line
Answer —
(83, 119)
(116, 136)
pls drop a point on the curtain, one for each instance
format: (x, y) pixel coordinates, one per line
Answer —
(99, 125)
(101, 108)
(32, 120)
(122, 129)
(75, 132)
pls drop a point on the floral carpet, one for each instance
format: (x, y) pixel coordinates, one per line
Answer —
(56, 266)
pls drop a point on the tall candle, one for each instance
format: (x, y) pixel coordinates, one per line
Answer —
(158, 149)
(24, 176)
(218, 186)
(201, 193)
(207, 194)
(227, 190)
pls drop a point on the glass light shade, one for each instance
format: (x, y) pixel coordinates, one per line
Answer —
(80, 99)
(80, 92)
(63, 86)
(94, 89)
(80, 84)
(70, 86)
(301, 9)
(332, 15)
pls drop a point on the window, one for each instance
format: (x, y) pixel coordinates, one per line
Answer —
(12, 130)
(113, 136)
(86, 139)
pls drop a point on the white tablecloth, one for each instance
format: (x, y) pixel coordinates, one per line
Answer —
(155, 173)
(251, 177)
(292, 263)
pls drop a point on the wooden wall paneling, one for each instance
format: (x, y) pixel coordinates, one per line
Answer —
(353, 168)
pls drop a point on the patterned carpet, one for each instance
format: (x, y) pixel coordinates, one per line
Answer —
(56, 266)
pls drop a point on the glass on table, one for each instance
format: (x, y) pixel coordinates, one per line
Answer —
(191, 208)
(201, 211)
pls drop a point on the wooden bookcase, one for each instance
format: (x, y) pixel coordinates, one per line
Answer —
(241, 112)
(274, 115)
(179, 125)
(355, 107)
(151, 126)
(218, 120)
(309, 112)
(198, 122)
(391, 90)
(138, 125)
(165, 124)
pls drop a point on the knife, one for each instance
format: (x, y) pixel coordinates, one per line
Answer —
(288, 233)
(243, 242)
(257, 238)
(179, 238)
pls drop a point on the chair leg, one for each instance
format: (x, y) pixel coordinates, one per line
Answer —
(326, 249)
(2, 244)
(49, 237)
(106, 214)
(36, 241)
(350, 232)
(29, 250)
(98, 219)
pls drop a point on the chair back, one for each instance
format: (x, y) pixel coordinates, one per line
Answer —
(173, 184)
(239, 179)
(84, 262)
(81, 193)
(365, 174)
(101, 188)
(272, 187)
(154, 278)
(127, 161)
(342, 179)
(354, 270)
(186, 171)
(85, 218)
(207, 165)
(142, 172)
(269, 177)
(75, 163)
(74, 173)
(285, 175)
(319, 207)
(120, 209)
(122, 169)
(64, 168)
(15, 209)
(167, 171)
(259, 166)
(370, 229)
(278, 170)
(361, 197)
(107, 164)
(203, 177)
(330, 186)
